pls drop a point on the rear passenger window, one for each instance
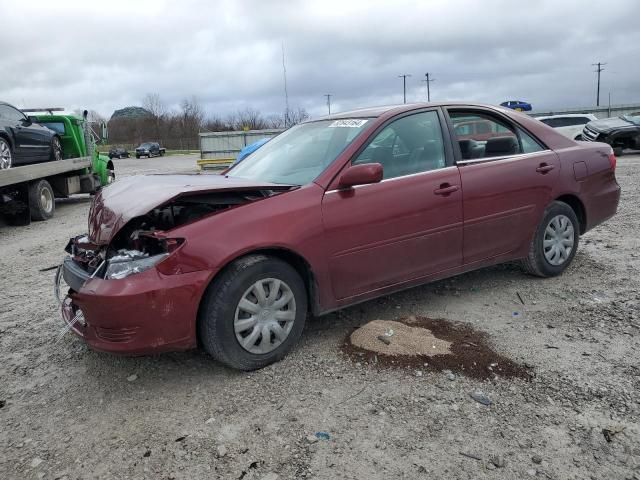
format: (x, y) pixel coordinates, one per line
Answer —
(489, 137)
(409, 145)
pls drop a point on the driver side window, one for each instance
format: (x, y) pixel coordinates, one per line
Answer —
(411, 144)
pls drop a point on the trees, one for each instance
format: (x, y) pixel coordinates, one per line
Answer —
(179, 128)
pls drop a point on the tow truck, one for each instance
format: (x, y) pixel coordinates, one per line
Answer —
(28, 192)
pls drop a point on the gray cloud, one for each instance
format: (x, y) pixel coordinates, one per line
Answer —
(228, 53)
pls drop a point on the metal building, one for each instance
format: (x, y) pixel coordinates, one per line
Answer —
(222, 148)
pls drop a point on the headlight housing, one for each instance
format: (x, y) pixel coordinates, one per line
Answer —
(129, 262)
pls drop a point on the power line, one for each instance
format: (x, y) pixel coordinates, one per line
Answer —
(404, 86)
(598, 70)
(329, 95)
(428, 82)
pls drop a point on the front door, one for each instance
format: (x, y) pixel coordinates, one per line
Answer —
(507, 181)
(407, 226)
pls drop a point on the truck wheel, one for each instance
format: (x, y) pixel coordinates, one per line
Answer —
(253, 313)
(6, 157)
(111, 173)
(161, 153)
(41, 200)
(56, 149)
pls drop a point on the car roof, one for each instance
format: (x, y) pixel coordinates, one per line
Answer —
(374, 112)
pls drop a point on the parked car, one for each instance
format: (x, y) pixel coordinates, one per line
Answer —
(619, 132)
(249, 149)
(330, 213)
(570, 124)
(23, 140)
(149, 149)
(518, 105)
(118, 152)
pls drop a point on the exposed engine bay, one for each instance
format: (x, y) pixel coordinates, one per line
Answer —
(143, 241)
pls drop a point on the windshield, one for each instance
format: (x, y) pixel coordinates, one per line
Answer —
(145, 145)
(633, 118)
(299, 155)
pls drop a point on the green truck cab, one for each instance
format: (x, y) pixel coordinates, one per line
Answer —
(28, 192)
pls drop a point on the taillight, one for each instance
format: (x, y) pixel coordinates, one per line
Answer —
(612, 160)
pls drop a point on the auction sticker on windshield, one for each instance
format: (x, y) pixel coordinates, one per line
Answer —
(348, 122)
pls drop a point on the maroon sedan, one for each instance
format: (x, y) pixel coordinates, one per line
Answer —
(330, 213)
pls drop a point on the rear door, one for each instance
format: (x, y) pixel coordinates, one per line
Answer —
(507, 182)
(406, 227)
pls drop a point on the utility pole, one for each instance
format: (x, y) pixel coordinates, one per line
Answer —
(598, 70)
(404, 86)
(286, 93)
(328, 95)
(428, 82)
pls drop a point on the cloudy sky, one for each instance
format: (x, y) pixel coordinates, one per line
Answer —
(107, 55)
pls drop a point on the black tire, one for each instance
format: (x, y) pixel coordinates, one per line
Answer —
(617, 151)
(56, 149)
(217, 311)
(6, 155)
(138, 156)
(536, 262)
(161, 153)
(41, 200)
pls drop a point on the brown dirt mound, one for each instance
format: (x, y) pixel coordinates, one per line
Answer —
(470, 353)
(405, 340)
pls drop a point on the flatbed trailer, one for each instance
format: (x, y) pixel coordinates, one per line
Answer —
(29, 192)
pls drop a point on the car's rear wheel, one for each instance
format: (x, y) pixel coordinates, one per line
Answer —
(56, 149)
(555, 242)
(41, 200)
(6, 155)
(253, 313)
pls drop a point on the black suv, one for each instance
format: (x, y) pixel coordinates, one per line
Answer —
(118, 152)
(23, 140)
(619, 132)
(149, 149)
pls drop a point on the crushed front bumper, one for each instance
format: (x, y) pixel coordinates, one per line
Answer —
(144, 313)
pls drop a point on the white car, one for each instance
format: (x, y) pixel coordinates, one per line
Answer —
(569, 124)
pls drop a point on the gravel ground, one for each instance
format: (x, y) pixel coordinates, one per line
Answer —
(70, 413)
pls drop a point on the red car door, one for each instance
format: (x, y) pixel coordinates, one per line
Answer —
(407, 226)
(506, 186)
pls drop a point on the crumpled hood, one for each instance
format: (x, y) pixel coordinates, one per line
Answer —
(609, 123)
(131, 197)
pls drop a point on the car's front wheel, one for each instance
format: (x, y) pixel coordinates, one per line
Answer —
(253, 313)
(555, 242)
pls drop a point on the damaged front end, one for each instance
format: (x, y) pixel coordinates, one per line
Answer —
(125, 287)
(143, 242)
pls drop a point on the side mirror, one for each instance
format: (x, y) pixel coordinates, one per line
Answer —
(363, 174)
(32, 119)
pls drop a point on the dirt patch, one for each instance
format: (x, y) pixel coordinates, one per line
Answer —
(396, 338)
(459, 348)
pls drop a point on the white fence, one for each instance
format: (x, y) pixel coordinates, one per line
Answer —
(605, 111)
(225, 146)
